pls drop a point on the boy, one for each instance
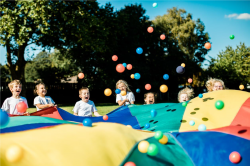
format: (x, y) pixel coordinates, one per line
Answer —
(85, 107)
(9, 104)
(185, 94)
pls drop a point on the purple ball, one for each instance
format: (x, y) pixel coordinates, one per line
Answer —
(180, 70)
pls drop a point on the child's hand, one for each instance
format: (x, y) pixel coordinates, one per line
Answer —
(26, 114)
(51, 105)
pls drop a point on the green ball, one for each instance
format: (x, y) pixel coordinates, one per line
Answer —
(158, 135)
(184, 104)
(152, 150)
(231, 36)
(219, 104)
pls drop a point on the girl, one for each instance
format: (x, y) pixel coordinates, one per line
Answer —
(127, 99)
(42, 101)
(214, 84)
(185, 94)
(149, 98)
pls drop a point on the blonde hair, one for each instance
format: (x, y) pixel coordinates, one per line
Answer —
(12, 83)
(146, 94)
(188, 91)
(80, 90)
(36, 87)
(125, 83)
(210, 83)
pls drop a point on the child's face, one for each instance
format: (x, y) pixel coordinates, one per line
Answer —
(41, 91)
(183, 97)
(122, 86)
(150, 99)
(16, 90)
(85, 95)
(217, 86)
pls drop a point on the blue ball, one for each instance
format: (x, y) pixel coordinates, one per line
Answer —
(138, 90)
(124, 64)
(139, 50)
(165, 49)
(180, 70)
(4, 118)
(137, 76)
(147, 125)
(153, 113)
(117, 91)
(202, 127)
(191, 122)
(200, 95)
(87, 122)
(165, 76)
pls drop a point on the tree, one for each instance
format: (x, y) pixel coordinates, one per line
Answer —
(5, 73)
(232, 66)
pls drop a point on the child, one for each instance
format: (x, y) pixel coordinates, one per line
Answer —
(214, 84)
(149, 98)
(129, 98)
(42, 101)
(85, 107)
(9, 105)
(185, 94)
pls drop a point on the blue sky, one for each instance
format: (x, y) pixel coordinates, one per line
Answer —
(221, 19)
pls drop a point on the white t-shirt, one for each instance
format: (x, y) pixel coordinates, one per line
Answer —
(130, 96)
(43, 101)
(9, 105)
(84, 109)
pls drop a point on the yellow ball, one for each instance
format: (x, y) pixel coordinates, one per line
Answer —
(107, 92)
(123, 92)
(163, 88)
(241, 87)
(143, 146)
(132, 76)
(183, 65)
(164, 140)
(14, 153)
(129, 126)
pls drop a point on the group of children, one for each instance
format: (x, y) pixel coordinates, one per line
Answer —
(86, 107)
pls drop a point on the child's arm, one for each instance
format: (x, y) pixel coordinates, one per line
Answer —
(97, 114)
(75, 113)
(122, 102)
(75, 109)
(40, 106)
(6, 106)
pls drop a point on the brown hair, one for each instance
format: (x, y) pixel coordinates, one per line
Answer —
(188, 91)
(146, 94)
(80, 90)
(210, 83)
(125, 83)
(10, 85)
(36, 87)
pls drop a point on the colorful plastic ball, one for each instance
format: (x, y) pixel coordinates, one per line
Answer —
(164, 140)
(207, 45)
(162, 37)
(87, 122)
(139, 50)
(146, 54)
(155, 5)
(124, 64)
(202, 127)
(150, 29)
(80, 75)
(147, 86)
(180, 70)
(153, 113)
(147, 125)
(105, 117)
(152, 150)
(129, 126)
(4, 118)
(241, 87)
(235, 157)
(14, 153)
(219, 104)
(200, 95)
(184, 104)
(138, 90)
(191, 122)
(130, 163)
(132, 76)
(231, 37)
(137, 76)
(120, 68)
(158, 135)
(114, 57)
(183, 65)
(163, 88)
(21, 107)
(165, 76)
(190, 80)
(129, 66)
(143, 146)
(165, 49)
(123, 93)
(107, 92)
(117, 91)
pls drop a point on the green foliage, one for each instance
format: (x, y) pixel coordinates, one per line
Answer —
(5, 73)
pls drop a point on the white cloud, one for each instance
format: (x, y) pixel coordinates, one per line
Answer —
(243, 16)
(231, 15)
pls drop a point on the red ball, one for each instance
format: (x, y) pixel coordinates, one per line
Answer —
(147, 86)
(120, 68)
(162, 37)
(130, 163)
(129, 66)
(150, 29)
(190, 80)
(207, 45)
(114, 57)
(235, 157)
(105, 117)
(21, 107)
(80, 75)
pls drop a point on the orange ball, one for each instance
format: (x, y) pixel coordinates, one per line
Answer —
(21, 107)
(120, 68)
(163, 88)
(123, 92)
(105, 117)
(241, 87)
(235, 157)
(162, 37)
(147, 86)
(132, 76)
(80, 75)
(130, 163)
(207, 45)
(129, 66)
(114, 57)
(107, 92)
(150, 29)
(190, 80)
